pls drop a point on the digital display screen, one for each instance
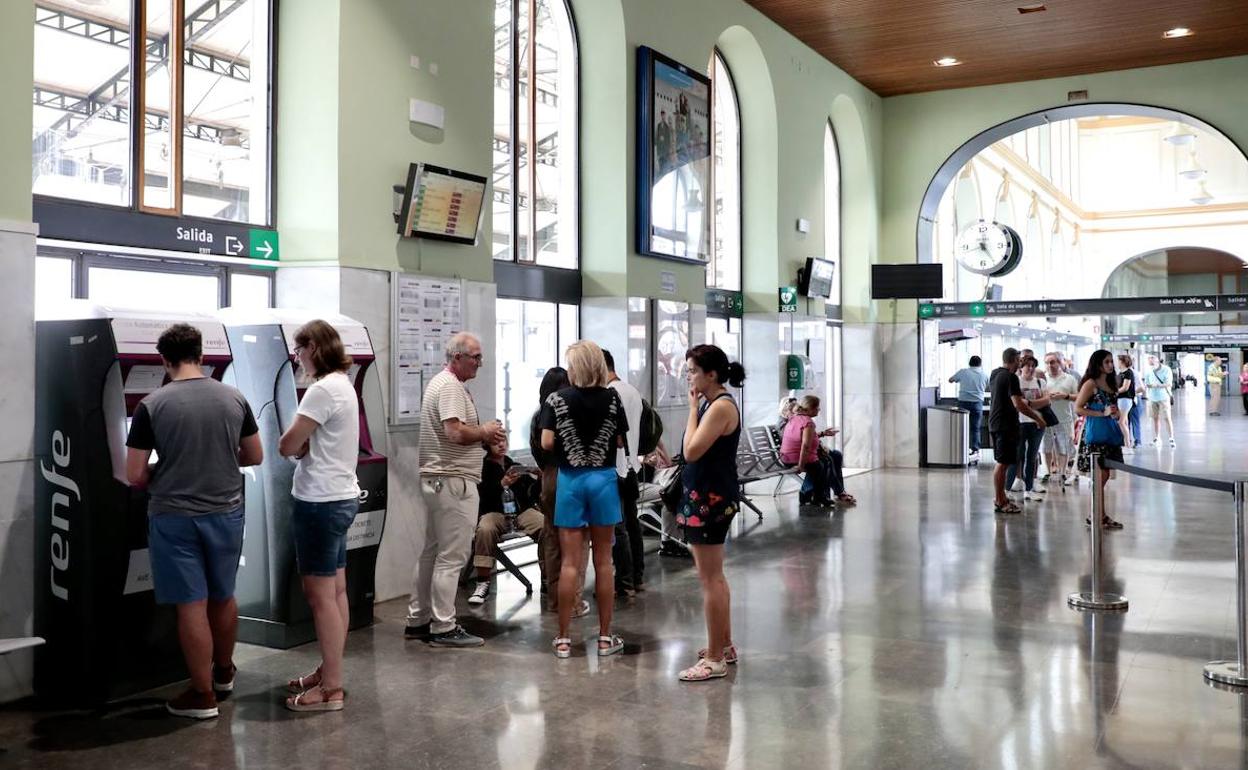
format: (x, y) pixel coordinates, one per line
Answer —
(442, 203)
(819, 277)
(924, 281)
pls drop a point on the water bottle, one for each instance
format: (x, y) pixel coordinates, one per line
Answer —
(509, 508)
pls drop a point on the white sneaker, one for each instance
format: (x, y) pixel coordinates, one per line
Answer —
(1034, 495)
(480, 593)
(1018, 486)
(1156, 442)
(1068, 481)
(1172, 444)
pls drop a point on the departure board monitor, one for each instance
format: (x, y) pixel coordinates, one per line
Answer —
(441, 203)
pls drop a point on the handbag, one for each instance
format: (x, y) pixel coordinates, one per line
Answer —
(1102, 430)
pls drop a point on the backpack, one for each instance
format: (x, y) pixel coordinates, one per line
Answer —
(650, 430)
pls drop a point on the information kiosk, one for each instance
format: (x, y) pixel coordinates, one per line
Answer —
(272, 610)
(106, 637)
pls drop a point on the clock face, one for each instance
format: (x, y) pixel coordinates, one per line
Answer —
(984, 247)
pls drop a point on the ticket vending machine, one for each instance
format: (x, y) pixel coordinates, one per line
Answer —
(106, 636)
(272, 610)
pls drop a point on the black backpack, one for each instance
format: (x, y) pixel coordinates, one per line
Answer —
(650, 431)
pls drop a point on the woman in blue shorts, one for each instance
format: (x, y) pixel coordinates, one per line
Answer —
(325, 438)
(583, 425)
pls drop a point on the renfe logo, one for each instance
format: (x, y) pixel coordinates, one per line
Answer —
(59, 543)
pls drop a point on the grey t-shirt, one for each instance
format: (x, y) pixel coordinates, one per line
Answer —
(195, 427)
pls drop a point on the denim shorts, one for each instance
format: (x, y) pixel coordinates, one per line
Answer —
(587, 497)
(320, 531)
(194, 557)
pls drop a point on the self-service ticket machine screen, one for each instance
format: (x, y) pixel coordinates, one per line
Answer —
(272, 609)
(94, 603)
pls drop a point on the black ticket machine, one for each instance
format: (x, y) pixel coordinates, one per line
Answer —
(106, 636)
(272, 610)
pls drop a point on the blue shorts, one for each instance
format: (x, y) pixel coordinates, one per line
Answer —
(587, 497)
(194, 557)
(321, 535)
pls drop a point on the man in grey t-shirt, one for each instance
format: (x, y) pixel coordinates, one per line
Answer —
(201, 431)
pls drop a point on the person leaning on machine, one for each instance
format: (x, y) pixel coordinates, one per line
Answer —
(202, 431)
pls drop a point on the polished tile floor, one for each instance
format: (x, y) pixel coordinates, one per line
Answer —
(916, 630)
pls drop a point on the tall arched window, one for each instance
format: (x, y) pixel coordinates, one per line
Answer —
(724, 269)
(832, 208)
(535, 117)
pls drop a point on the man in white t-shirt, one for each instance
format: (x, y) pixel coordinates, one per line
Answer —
(1158, 383)
(1058, 441)
(629, 551)
(452, 444)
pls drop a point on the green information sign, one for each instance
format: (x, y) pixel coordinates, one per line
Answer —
(927, 310)
(263, 244)
(788, 299)
(978, 310)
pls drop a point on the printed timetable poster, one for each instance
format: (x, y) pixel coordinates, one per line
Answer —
(426, 313)
(680, 205)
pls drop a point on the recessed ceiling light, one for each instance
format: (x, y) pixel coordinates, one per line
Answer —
(1177, 32)
(947, 61)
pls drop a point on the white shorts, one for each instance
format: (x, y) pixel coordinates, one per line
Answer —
(1057, 440)
(1124, 405)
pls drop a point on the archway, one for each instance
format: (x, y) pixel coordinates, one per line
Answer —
(1175, 271)
(948, 171)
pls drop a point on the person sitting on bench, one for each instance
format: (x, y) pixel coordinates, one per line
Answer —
(499, 472)
(823, 468)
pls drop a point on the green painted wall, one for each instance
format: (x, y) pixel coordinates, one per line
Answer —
(308, 130)
(17, 72)
(922, 130)
(787, 94)
(378, 141)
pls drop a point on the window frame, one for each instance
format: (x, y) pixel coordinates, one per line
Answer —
(830, 133)
(717, 55)
(142, 213)
(530, 107)
(84, 260)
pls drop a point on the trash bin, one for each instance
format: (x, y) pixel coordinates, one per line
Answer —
(946, 433)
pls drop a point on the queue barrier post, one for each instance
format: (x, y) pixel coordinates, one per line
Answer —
(1235, 672)
(1097, 599)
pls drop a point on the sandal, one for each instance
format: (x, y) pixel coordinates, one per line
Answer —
(847, 499)
(305, 682)
(614, 645)
(296, 702)
(703, 670)
(1009, 507)
(581, 610)
(562, 646)
(730, 654)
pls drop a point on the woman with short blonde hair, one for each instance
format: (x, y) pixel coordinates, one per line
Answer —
(587, 367)
(583, 426)
(824, 469)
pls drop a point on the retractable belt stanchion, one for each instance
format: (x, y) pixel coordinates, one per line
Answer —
(1096, 599)
(1226, 671)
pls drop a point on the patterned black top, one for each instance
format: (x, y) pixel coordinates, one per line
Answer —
(715, 471)
(586, 422)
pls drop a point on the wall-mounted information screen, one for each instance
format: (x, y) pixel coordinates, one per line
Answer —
(442, 203)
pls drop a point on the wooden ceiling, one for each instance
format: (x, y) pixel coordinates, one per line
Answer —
(889, 45)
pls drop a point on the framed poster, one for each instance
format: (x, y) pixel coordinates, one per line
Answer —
(674, 198)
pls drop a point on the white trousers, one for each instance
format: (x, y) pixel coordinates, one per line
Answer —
(443, 545)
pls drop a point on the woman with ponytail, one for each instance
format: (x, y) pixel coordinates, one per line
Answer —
(711, 496)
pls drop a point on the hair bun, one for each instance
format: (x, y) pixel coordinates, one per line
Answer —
(736, 374)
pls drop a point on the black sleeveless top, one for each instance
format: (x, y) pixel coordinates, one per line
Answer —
(716, 471)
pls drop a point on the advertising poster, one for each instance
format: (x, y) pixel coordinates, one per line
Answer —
(675, 175)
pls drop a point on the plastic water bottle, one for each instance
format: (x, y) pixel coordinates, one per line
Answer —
(509, 508)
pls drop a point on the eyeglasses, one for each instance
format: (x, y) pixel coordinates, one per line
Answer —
(478, 357)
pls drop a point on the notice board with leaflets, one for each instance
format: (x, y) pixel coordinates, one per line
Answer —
(425, 312)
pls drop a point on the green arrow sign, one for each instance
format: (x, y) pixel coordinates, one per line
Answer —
(264, 244)
(927, 310)
(978, 309)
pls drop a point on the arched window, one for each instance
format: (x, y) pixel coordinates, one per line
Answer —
(832, 208)
(535, 117)
(724, 269)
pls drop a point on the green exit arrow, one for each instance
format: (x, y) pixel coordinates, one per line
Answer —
(927, 311)
(979, 309)
(264, 244)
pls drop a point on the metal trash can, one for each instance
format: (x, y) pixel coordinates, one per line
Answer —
(946, 433)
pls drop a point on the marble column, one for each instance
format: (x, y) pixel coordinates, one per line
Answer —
(862, 391)
(17, 465)
(899, 353)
